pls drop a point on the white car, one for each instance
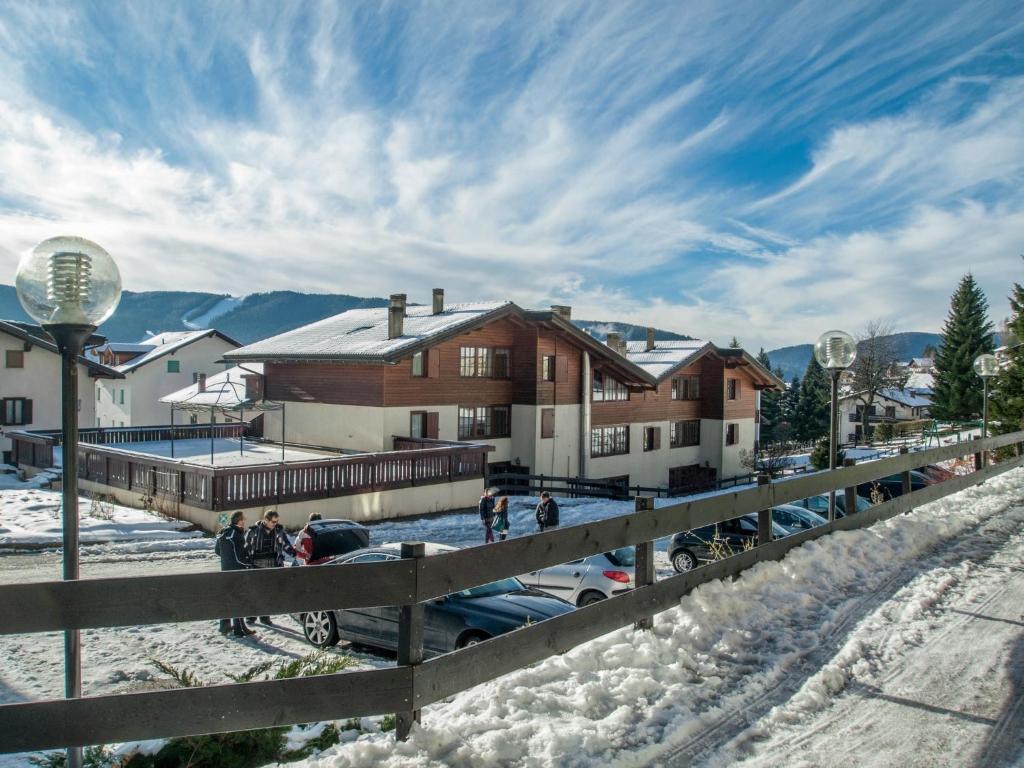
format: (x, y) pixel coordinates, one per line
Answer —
(588, 580)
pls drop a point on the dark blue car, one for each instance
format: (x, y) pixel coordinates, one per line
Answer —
(456, 621)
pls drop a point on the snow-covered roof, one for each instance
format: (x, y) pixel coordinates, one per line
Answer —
(922, 362)
(124, 346)
(224, 390)
(161, 344)
(34, 334)
(907, 398)
(921, 382)
(666, 355)
(363, 333)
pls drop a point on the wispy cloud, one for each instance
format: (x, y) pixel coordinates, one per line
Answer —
(721, 170)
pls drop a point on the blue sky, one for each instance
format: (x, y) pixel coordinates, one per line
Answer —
(763, 170)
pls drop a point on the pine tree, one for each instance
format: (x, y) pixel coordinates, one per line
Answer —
(791, 401)
(810, 421)
(771, 405)
(1006, 396)
(735, 343)
(967, 334)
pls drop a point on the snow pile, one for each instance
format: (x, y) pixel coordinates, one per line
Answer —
(633, 698)
(30, 517)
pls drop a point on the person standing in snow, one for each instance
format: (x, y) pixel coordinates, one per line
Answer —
(547, 512)
(230, 546)
(304, 540)
(267, 544)
(486, 508)
(501, 517)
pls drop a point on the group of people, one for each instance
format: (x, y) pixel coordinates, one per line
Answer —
(494, 514)
(264, 544)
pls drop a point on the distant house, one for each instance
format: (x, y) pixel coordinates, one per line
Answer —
(890, 405)
(549, 397)
(30, 388)
(153, 368)
(918, 364)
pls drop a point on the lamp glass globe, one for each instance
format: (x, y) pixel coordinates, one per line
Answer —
(835, 350)
(68, 281)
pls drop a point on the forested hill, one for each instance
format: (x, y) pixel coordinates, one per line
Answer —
(251, 318)
(793, 360)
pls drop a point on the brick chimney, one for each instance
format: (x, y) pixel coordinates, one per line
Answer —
(562, 311)
(396, 315)
(438, 301)
(201, 381)
(615, 342)
(650, 339)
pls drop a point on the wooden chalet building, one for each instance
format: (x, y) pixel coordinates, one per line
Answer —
(549, 397)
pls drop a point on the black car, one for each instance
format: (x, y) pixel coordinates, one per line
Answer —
(322, 540)
(819, 504)
(892, 486)
(455, 621)
(688, 549)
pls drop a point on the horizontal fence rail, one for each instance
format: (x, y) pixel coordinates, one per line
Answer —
(225, 488)
(408, 582)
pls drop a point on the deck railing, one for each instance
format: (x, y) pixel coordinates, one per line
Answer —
(222, 488)
(410, 583)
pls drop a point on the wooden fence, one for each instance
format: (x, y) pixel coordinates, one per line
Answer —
(410, 583)
(514, 483)
(252, 485)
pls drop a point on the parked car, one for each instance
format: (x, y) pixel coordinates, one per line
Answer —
(795, 519)
(936, 473)
(819, 504)
(327, 539)
(686, 550)
(588, 580)
(892, 486)
(455, 621)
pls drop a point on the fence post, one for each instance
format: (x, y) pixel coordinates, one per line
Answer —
(764, 516)
(979, 458)
(905, 476)
(410, 642)
(850, 492)
(643, 573)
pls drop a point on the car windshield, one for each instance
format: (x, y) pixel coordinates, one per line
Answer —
(501, 587)
(624, 557)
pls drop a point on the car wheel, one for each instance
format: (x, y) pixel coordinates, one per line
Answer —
(684, 561)
(589, 598)
(471, 638)
(320, 628)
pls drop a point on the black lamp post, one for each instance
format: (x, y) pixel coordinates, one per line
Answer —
(69, 285)
(835, 351)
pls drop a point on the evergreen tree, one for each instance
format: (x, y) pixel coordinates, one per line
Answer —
(771, 405)
(735, 343)
(790, 401)
(1006, 395)
(810, 421)
(967, 334)
(819, 456)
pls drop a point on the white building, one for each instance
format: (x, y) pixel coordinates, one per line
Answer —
(890, 405)
(160, 365)
(30, 389)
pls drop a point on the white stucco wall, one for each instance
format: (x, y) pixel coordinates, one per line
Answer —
(558, 455)
(145, 385)
(39, 381)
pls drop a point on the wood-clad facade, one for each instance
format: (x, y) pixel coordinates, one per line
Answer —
(549, 398)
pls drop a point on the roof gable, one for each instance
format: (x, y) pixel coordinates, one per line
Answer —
(34, 334)
(166, 343)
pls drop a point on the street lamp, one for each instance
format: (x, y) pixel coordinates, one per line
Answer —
(69, 285)
(835, 351)
(985, 366)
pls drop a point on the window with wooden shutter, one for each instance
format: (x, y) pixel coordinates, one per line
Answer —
(561, 368)
(15, 358)
(547, 368)
(652, 438)
(547, 422)
(418, 424)
(433, 363)
(16, 411)
(432, 429)
(419, 367)
(732, 388)
(732, 434)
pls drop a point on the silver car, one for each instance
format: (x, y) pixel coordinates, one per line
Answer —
(588, 580)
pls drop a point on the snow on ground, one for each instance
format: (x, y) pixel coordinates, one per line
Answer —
(30, 517)
(202, 322)
(782, 642)
(771, 654)
(226, 451)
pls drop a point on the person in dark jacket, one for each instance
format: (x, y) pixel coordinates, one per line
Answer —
(547, 512)
(267, 543)
(230, 546)
(486, 507)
